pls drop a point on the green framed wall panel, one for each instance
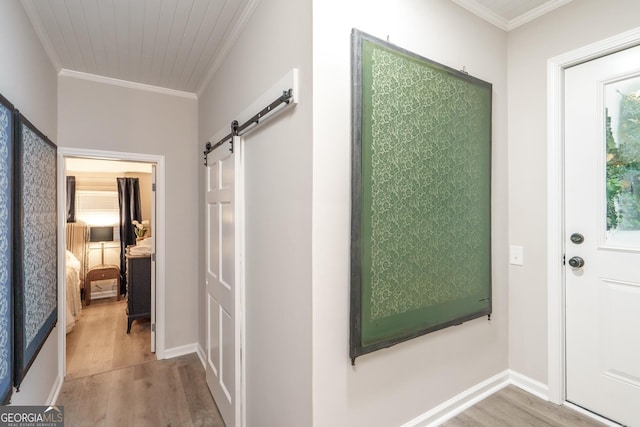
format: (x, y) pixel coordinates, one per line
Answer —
(421, 196)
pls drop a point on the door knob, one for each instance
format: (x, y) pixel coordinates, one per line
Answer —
(576, 262)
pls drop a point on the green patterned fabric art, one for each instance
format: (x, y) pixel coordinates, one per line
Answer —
(421, 235)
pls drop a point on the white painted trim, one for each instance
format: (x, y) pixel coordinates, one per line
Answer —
(475, 394)
(55, 391)
(484, 12)
(172, 352)
(462, 401)
(239, 230)
(535, 13)
(38, 27)
(555, 198)
(62, 267)
(160, 240)
(555, 231)
(490, 16)
(201, 355)
(227, 43)
(125, 83)
(529, 385)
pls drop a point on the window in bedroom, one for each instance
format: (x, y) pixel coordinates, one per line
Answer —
(98, 208)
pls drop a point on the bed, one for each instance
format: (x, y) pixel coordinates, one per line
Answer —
(77, 255)
(72, 280)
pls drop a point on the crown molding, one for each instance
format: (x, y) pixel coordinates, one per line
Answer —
(535, 13)
(490, 16)
(127, 84)
(227, 43)
(483, 12)
(38, 27)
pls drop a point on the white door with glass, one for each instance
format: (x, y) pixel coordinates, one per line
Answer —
(602, 235)
(223, 276)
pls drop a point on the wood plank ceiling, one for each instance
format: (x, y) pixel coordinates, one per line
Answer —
(179, 44)
(175, 44)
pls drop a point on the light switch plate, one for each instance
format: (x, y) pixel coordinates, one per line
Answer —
(516, 255)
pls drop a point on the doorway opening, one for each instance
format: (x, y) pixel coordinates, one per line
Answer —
(111, 307)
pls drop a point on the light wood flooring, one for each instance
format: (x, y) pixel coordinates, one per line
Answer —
(114, 380)
(169, 392)
(99, 341)
(513, 407)
(174, 393)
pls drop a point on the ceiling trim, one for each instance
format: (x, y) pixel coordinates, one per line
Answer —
(484, 13)
(535, 13)
(508, 25)
(125, 83)
(228, 42)
(38, 27)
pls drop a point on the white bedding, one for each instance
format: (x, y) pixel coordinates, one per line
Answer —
(74, 304)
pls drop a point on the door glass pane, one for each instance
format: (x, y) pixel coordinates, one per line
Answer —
(622, 133)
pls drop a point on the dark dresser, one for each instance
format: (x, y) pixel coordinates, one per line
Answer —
(138, 288)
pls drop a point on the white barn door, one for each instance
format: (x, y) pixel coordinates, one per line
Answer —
(223, 278)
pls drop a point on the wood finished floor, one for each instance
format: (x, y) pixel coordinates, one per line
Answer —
(99, 341)
(114, 380)
(169, 392)
(513, 407)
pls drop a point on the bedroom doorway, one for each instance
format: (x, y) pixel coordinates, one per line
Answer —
(111, 315)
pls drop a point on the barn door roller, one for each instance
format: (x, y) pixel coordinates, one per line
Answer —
(240, 129)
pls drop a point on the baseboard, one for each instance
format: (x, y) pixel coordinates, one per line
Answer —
(462, 401)
(475, 394)
(529, 385)
(55, 391)
(170, 353)
(201, 355)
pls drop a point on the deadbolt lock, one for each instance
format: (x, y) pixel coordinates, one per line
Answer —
(577, 238)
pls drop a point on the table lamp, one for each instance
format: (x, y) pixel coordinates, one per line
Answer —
(101, 235)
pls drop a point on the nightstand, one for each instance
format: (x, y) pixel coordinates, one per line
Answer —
(101, 272)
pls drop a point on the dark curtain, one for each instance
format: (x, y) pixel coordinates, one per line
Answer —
(129, 204)
(71, 199)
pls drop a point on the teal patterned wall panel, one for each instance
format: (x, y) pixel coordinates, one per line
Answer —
(421, 217)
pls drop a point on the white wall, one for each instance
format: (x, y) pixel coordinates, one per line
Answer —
(393, 386)
(28, 80)
(278, 210)
(99, 116)
(572, 26)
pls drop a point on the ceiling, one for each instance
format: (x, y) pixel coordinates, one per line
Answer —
(175, 44)
(179, 44)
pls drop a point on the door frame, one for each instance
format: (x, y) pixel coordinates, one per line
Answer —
(555, 200)
(159, 234)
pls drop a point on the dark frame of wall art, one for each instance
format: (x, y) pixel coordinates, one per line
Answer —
(421, 196)
(35, 244)
(7, 117)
